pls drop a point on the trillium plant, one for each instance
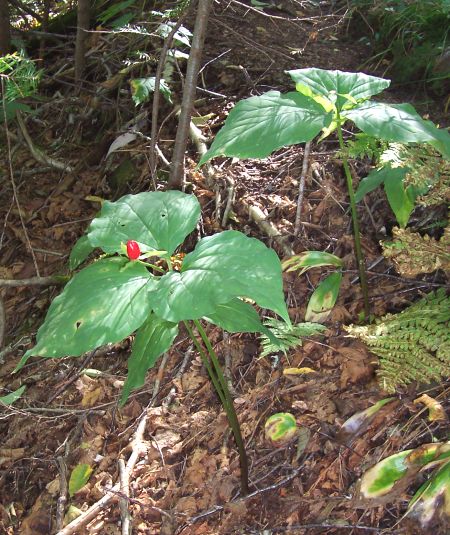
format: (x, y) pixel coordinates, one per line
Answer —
(322, 103)
(138, 285)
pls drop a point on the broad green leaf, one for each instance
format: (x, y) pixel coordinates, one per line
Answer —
(378, 177)
(346, 86)
(80, 251)
(12, 397)
(259, 125)
(142, 88)
(152, 340)
(114, 10)
(161, 220)
(79, 477)
(380, 480)
(433, 498)
(238, 317)
(399, 200)
(323, 298)
(103, 303)
(310, 259)
(398, 122)
(221, 267)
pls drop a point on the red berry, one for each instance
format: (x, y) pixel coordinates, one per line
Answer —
(133, 250)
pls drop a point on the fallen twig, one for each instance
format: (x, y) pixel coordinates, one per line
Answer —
(53, 280)
(2, 321)
(38, 154)
(301, 188)
(62, 500)
(257, 215)
(124, 477)
(218, 508)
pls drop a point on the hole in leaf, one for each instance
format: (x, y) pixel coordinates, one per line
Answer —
(78, 324)
(163, 214)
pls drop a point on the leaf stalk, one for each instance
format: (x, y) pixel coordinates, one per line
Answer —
(356, 232)
(217, 378)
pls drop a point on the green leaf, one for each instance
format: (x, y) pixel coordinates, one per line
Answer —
(103, 303)
(398, 122)
(238, 317)
(221, 267)
(378, 177)
(433, 497)
(142, 88)
(259, 125)
(323, 298)
(114, 10)
(80, 251)
(310, 259)
(348, 86)
(79, 477)
(399, 200)
(10, 398)
(152, 340)
(160, 220)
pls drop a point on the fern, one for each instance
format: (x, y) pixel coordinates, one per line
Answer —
(427, 171)
(413, 345)
(288, 337)
(364, 145)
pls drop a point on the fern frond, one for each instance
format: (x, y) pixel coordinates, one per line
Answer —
(288, 337)
(413, 345)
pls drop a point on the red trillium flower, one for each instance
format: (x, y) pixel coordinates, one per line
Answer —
(133, 250)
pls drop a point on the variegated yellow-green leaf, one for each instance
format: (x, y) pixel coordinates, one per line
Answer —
(280, 429)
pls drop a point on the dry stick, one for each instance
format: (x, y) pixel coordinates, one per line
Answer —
(218, 508)
(53, 280)
(123, 502)
(13, 183)
(2, 321)
(39, 155)
(62, 500)
(156, 94)
(230, 199)
(201, 21)
(301, 188)
(257, 215)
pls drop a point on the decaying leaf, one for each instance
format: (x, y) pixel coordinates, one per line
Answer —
(390, 477)
(298, 371)
(433, 498)
(359, 422)
(436, 410)
(413, 254)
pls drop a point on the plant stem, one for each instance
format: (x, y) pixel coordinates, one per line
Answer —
(215, 373)
(356, 234)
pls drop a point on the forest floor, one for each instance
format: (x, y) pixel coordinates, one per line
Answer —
(188, 481)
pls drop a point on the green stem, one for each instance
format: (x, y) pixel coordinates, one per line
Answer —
(356, 233)
(220, 384)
